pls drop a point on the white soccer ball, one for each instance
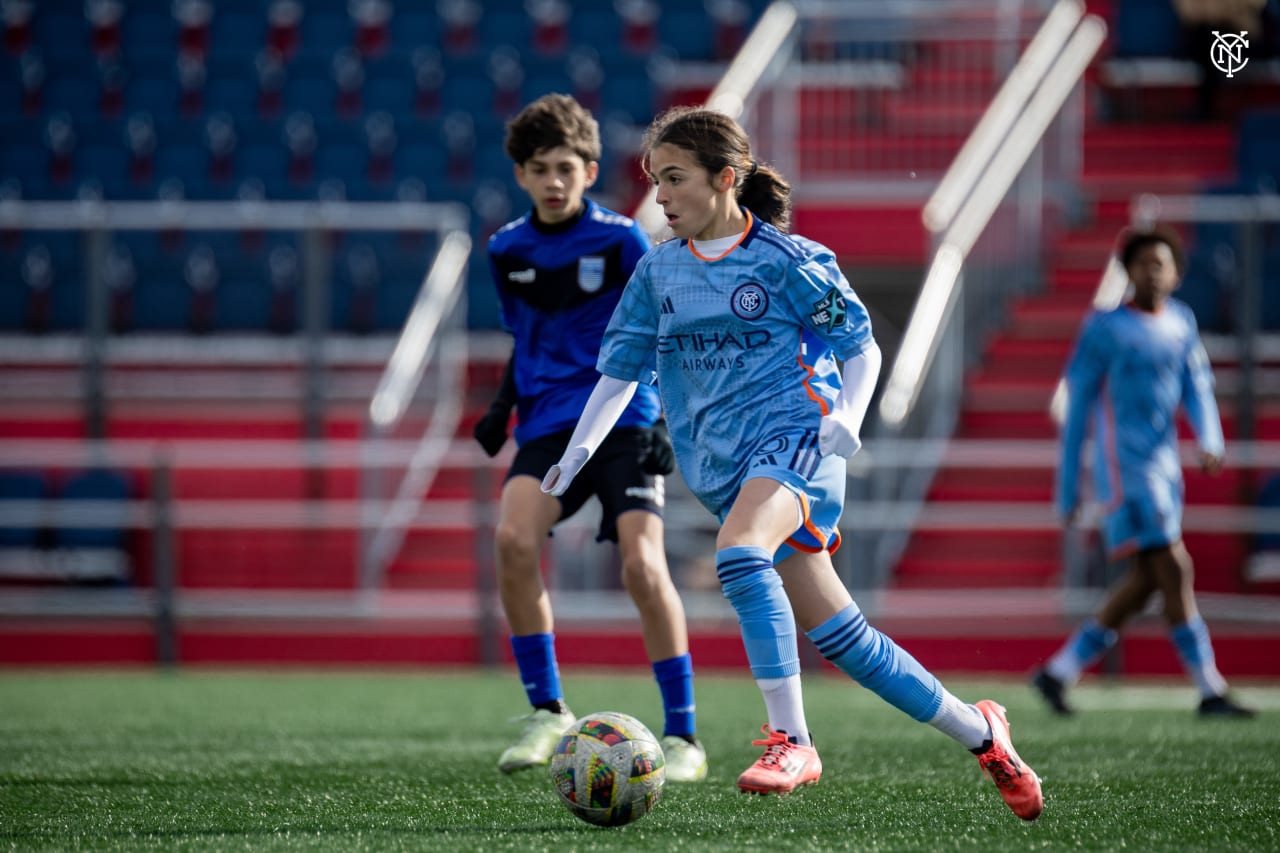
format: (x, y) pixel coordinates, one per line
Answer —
(608, 769)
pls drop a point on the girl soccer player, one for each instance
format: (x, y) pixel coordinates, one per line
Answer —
(745, 327)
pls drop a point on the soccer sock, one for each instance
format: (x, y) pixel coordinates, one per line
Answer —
(784, 702)
(962, 722)
(536, 659)
(878, 664)
(1191, 639)
(675, 681)
(752, 585)
(1081, 650)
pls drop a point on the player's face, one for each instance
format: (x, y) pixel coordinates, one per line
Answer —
(1154, 274)
(556, 178)
(694, 207)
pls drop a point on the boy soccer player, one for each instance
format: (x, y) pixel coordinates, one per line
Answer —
(560, 270)
(1132, 368)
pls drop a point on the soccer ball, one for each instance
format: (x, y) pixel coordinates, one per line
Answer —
(608, 769)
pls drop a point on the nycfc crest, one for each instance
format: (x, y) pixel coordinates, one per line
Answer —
(1227, 52)
(749, 301)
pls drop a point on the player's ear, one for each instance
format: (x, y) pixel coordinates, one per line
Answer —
(726, 179)
(593, 172)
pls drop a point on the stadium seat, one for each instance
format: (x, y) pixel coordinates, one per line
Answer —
(97, 484)
(1146, 28)
(19, 485)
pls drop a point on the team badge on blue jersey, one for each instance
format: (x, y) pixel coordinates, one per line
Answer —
(829, 312)
(590, 272)
(749, 301)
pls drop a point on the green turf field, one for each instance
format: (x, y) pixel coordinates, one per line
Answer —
(405, 761)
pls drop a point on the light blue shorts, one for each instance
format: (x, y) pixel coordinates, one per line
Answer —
(1151, 519)
(817, 481)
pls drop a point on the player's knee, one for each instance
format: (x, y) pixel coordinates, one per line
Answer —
(516, 547)
(642, 575)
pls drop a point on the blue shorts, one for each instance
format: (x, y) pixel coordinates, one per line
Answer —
(1151, 519)
(818, 482)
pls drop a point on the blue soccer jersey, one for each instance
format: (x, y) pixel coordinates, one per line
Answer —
(1132, 370)
(744, 348)
(558, 286)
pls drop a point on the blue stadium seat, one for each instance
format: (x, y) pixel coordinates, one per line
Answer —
(149, 32)
(242, 301)
(106, 164)
(156, 95)
(413, 28)
(689, 31)
(1258, 155)
(1146, 28)
(390, 92)
(17, 485)
(29, 164)
(237, 32)
(326, 30)
(97, 484)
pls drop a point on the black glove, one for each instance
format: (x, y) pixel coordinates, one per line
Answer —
(491, 429)
(659, 456)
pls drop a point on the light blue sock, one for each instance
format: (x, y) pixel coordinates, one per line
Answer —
(752, 585)
(1191, 639)
(878, 664)
(675, 681)
(1083, 649)
(536, 659)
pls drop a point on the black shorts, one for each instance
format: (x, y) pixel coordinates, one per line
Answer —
(613, 474)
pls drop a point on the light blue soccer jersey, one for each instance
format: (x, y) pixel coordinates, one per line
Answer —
(744, 349)
(1132, 370)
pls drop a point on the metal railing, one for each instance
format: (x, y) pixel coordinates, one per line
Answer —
(988, 219)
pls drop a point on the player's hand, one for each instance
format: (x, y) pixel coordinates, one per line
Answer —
(562, 473)
(491, 429)
(1211, 463)
(659, 456)
(835, 438)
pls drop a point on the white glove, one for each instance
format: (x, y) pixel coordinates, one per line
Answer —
(562, 473)
(837, 438)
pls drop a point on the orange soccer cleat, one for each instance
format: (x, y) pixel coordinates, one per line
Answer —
(784, 766)
(1018, 784)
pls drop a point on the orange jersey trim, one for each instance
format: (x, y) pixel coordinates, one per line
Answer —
(736, 243)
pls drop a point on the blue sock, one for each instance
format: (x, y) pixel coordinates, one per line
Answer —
(753, 587)
(1082, 650)
(675, 680)
(878, 664)
(1191, 639)
(536, 659)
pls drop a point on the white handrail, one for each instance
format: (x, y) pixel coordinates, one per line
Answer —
(938, 293)
(437, 296)
(998, 118)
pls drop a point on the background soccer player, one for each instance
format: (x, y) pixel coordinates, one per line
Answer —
(1132, 368)
(744, 325)
(560, 270)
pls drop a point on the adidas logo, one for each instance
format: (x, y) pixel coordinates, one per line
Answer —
(667, 306)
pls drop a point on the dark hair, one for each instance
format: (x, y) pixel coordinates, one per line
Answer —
(715, 140)
(549, 122)
(1133, 240)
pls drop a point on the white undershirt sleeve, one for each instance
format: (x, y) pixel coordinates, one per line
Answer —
(606, 404)
(838, 434)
